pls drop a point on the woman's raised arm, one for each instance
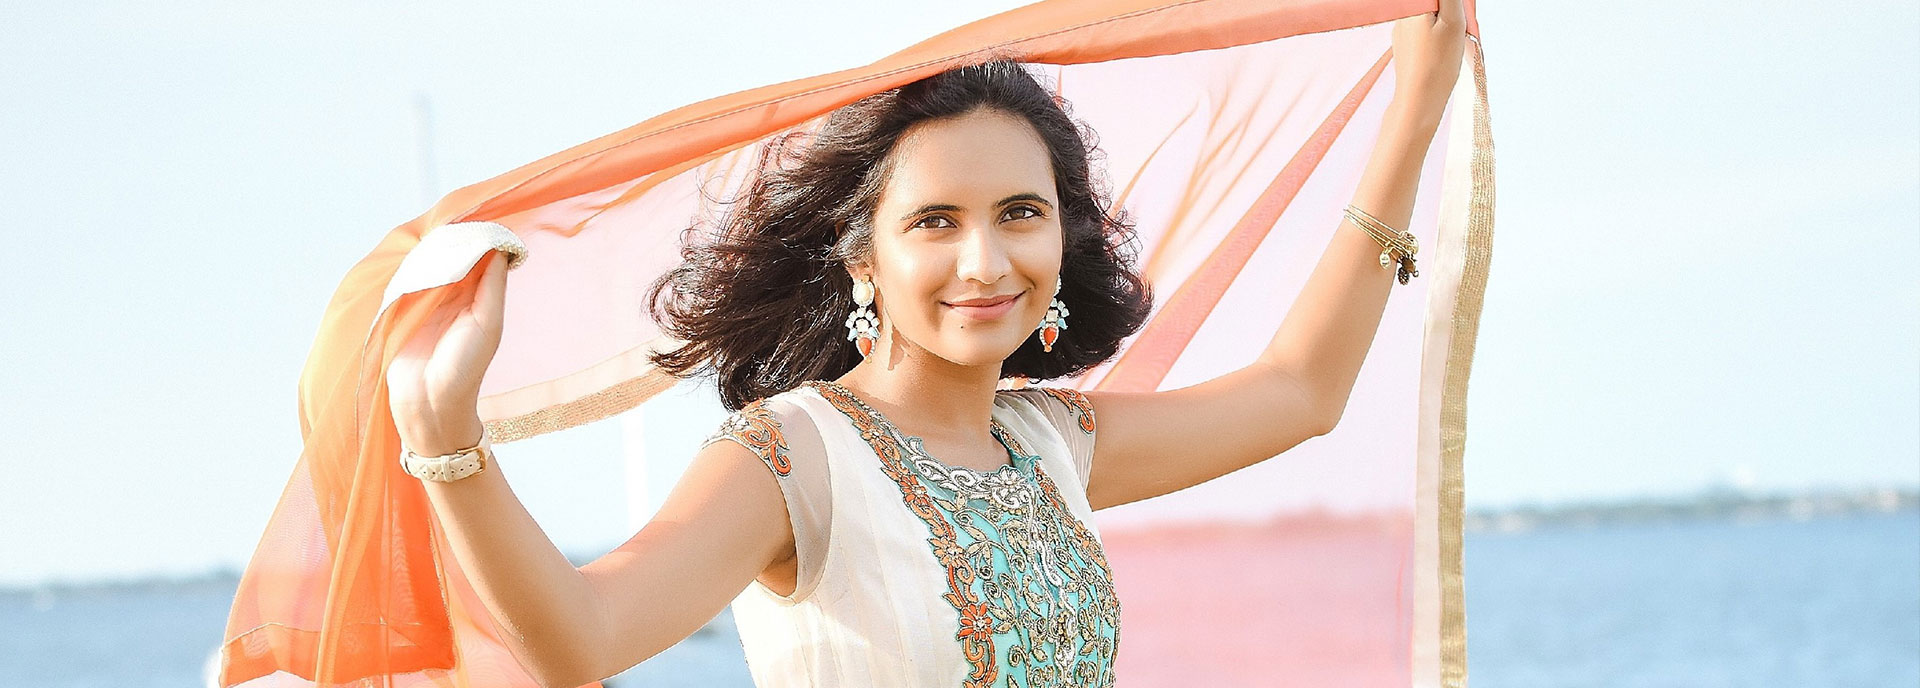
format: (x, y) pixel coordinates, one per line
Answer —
(722, 524)
(1160, 442)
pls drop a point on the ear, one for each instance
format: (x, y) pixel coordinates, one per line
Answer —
(858, 268)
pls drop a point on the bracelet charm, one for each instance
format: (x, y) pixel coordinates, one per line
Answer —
(1397, 246)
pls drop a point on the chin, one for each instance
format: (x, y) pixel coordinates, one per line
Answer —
(980, 352)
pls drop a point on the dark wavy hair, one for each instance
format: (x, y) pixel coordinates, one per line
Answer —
(762, 304)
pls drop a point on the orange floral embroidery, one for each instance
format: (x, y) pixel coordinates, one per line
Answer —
(976, 632)
(756, 428)
(1055, 610)
(950, 554)
(975, 623)
(1082, 409)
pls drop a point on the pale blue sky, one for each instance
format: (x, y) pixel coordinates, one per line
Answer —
(1703, 272)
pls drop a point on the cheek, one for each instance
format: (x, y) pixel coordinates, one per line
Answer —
(914, 281)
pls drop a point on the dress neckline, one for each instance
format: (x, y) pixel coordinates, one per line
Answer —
(1017, 459)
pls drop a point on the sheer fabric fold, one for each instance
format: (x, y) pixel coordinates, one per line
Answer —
(1232, 131)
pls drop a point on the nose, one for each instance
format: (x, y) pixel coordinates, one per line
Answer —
(983, 256)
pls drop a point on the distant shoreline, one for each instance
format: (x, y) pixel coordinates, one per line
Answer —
(1722, 504)
(1719, 504)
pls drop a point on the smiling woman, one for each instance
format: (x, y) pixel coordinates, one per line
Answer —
(908, 247)
(944, 204)
(974, 184)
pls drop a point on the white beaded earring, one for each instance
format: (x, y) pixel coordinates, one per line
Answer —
(863, 326)
(1055, 320)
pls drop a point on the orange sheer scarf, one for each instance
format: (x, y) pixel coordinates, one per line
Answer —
(1234, 132)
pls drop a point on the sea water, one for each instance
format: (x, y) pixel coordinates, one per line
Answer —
(1776, 603)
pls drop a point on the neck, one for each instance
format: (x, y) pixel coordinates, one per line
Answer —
(923, 394)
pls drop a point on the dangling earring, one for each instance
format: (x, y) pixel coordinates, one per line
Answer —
(1055, 320)
(863, 326)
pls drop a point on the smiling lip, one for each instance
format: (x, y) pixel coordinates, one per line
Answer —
(986, 308)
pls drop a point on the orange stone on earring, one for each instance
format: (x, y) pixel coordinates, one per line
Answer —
(1048, 335)
(865, 344)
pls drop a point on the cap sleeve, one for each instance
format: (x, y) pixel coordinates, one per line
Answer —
(783, 436)
(1072, 416)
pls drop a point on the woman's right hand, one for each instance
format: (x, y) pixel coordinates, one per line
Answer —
(433, 384)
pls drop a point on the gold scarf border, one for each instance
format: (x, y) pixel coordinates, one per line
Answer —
(1453, 405)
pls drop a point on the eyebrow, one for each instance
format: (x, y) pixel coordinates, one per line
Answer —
(930, 207)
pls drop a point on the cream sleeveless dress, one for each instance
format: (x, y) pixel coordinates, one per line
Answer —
(915, 573)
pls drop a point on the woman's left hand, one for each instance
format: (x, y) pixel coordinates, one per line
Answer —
(1426, 58)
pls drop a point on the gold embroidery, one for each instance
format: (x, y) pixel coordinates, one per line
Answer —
(1082, 409)
(1054, 600)
(1105, 607)
(976, 632)
(601, 405)
(1477, 248)
(755, 427)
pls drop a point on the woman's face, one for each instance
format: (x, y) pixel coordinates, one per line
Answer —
(968, 214)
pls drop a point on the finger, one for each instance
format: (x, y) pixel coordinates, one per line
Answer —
(1415, 22)
(490, 296)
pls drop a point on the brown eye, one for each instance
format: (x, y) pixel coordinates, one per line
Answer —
(1036, 212)
(923, 220)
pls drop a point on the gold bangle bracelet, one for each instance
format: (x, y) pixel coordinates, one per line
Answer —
(1397, 246)
(1387, 236)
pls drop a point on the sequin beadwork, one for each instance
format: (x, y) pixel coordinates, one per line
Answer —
(1029, 584)
(1073, 399)
(755, 427)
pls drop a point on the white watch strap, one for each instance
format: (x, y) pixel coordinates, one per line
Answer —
(449, 467)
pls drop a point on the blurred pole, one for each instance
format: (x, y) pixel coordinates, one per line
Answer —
(640, 506)
(423, 133)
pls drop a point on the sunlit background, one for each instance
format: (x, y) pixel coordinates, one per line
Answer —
(1702, 296)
